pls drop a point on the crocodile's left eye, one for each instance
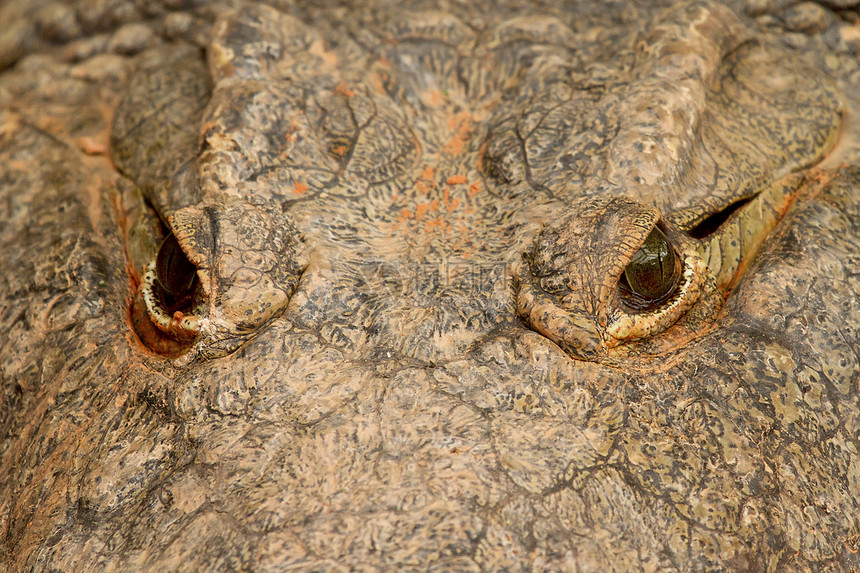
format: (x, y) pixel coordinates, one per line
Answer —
(176, 274)
(653, 272)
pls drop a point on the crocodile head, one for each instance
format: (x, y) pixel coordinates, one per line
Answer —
(561, 287)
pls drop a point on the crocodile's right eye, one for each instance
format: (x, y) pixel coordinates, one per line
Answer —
(175, 273)
(652, 273)
(605, 274)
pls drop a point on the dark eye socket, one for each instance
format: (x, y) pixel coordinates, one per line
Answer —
(653, 272)
(176, 274)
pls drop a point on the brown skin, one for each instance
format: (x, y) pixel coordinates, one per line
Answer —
(409, 230)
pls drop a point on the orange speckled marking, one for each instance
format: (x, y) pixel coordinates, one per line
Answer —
(474, 189)
(435, 97)
(299, 188)
(437, 222)
(420, 210)
(426, 180)
(339, 150)
(458, 123)
(456, 179)
(342, 89)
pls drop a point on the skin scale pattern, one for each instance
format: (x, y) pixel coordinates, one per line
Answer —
(387, 205)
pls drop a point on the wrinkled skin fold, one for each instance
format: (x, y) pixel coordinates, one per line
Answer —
(404, 340)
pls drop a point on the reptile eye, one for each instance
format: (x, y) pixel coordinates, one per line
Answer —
(176, 274)
(653, 272)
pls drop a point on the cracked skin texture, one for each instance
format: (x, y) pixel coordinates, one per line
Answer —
(409, 228)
